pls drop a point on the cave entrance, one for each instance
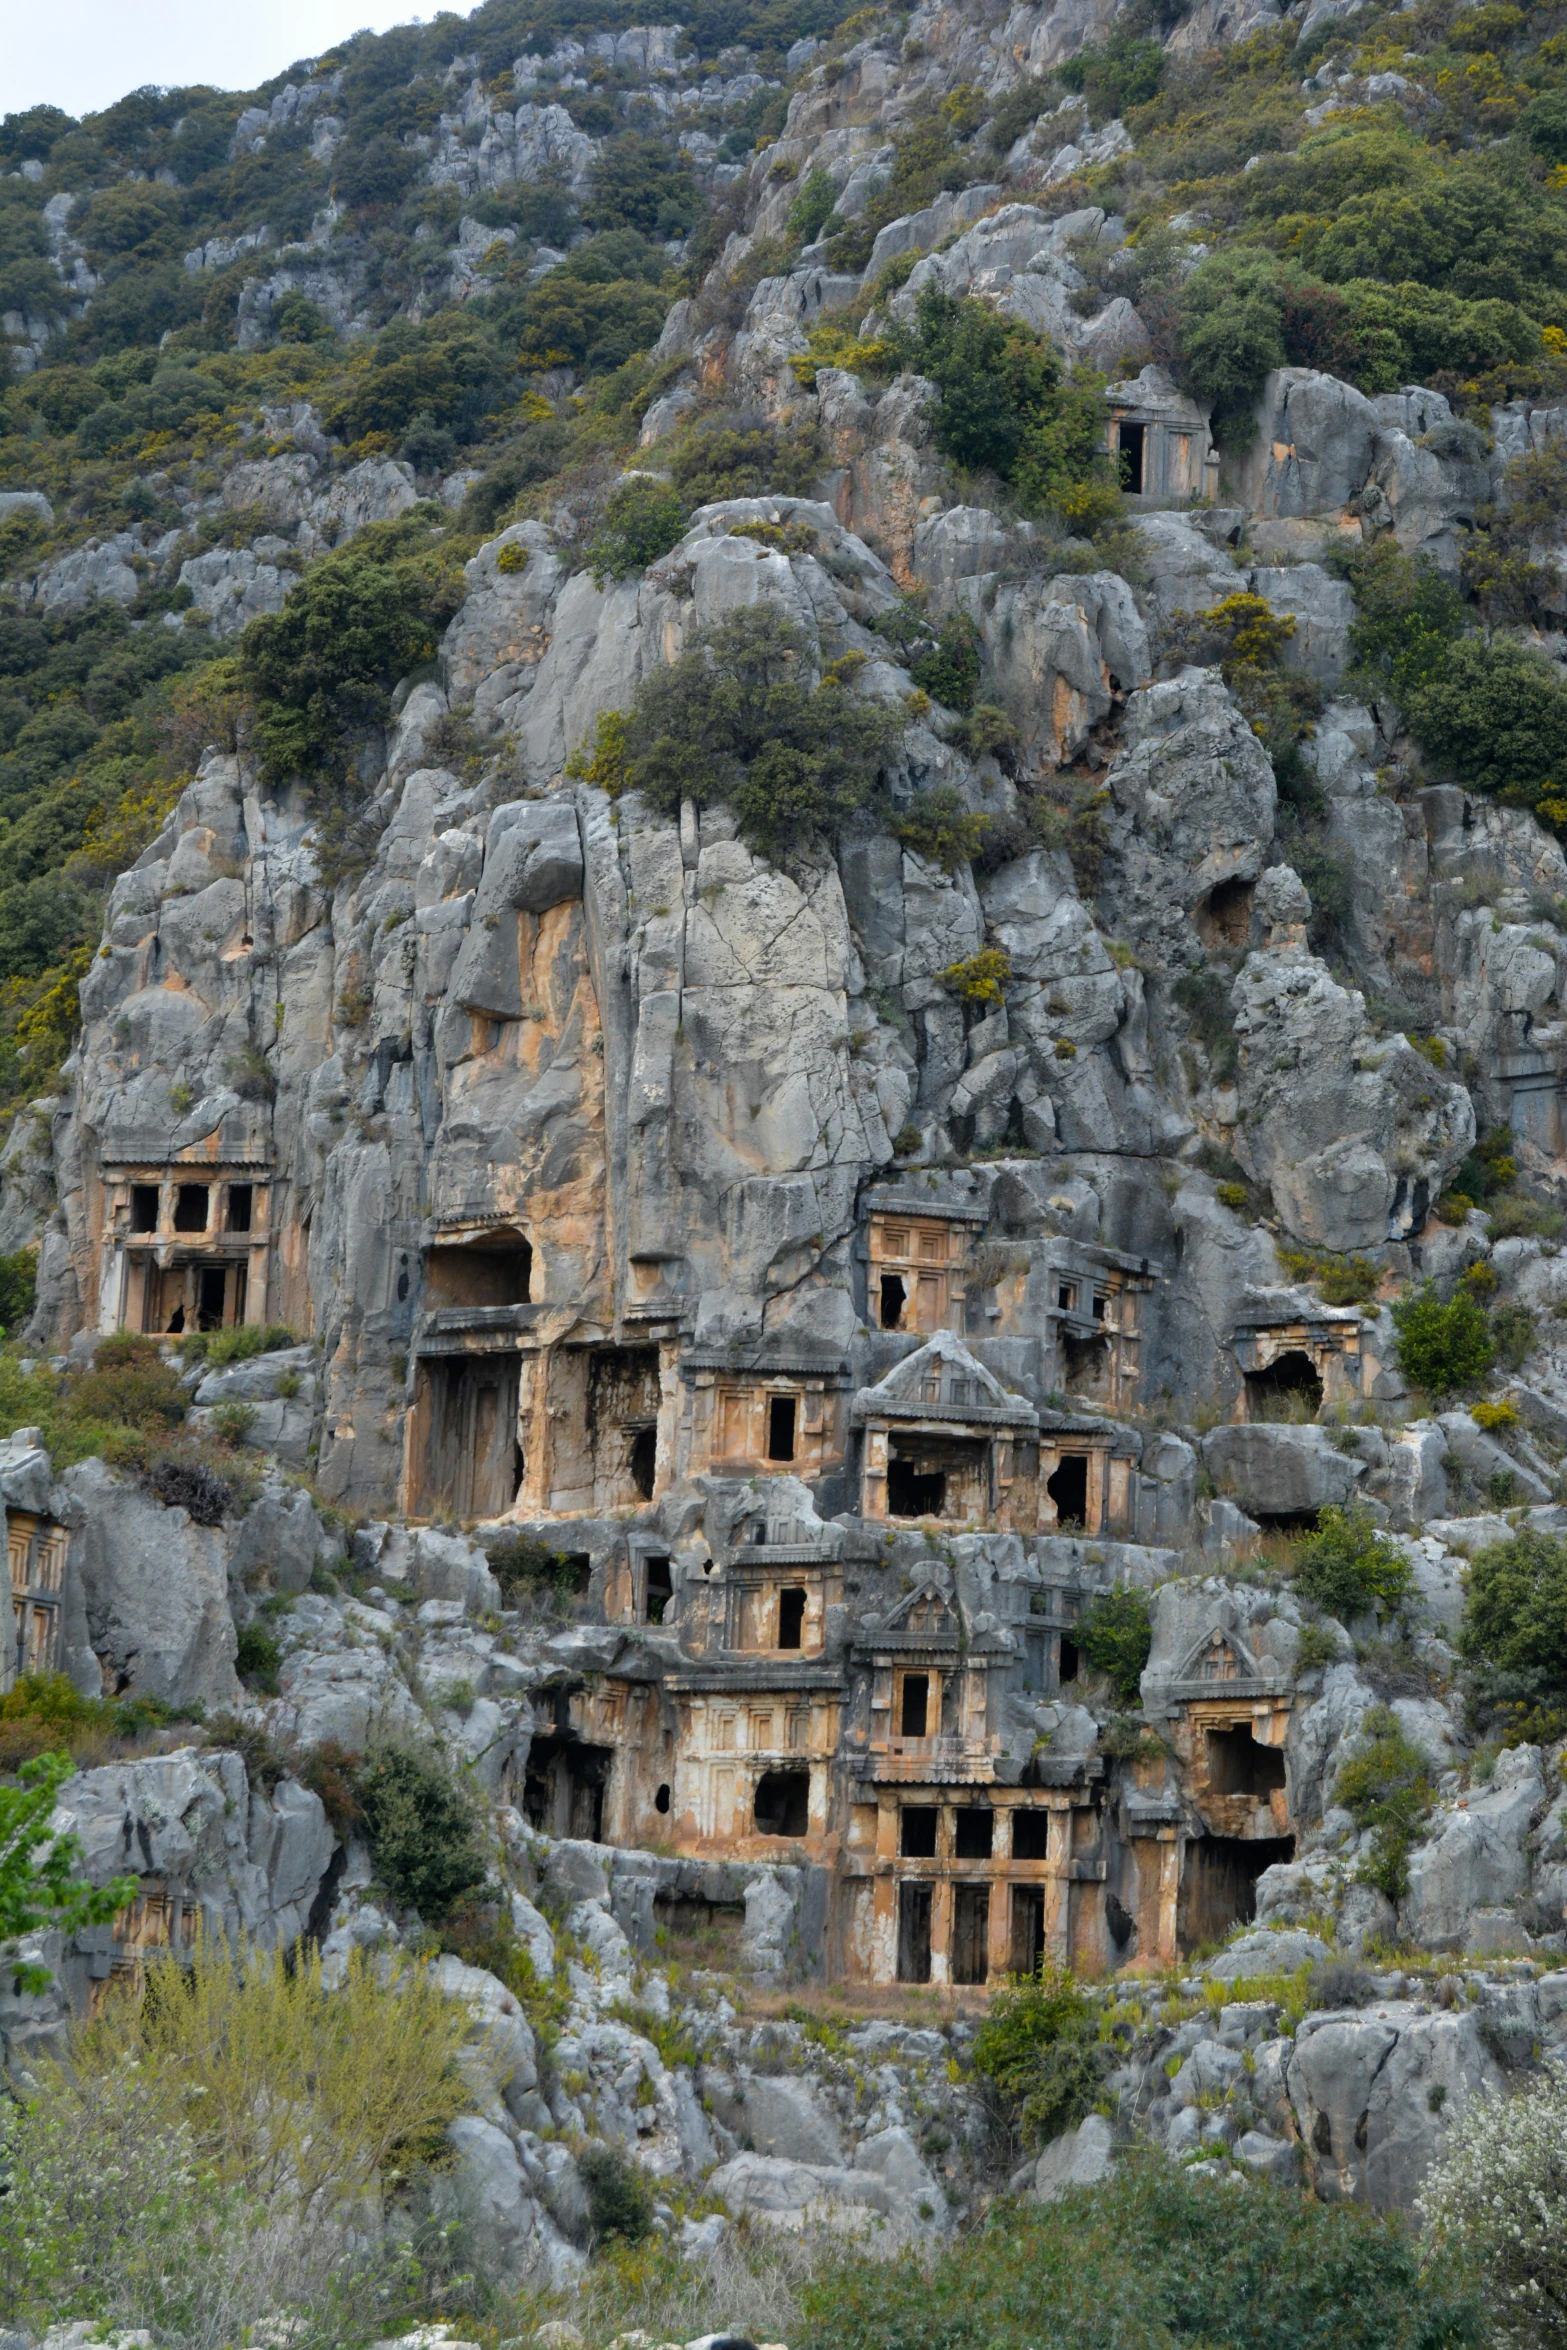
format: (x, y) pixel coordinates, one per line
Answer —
(783, 1803)
(1238, 1764)
(894, 1297)
(473, 1463)
(1067, 1487)
(1223, 917)
(1285, 1389)
(914, 1933)
(1219, 1883)
(565, 1787)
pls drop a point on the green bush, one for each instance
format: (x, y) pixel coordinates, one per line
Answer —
(18, 1289)
(1039, 2047)
(1408, 618)
(1495, 718)
(937, 827)
(643, 519)
(1006, 406)
(1346, 1567)
(620, 2202)
(737, 720)
(721, 457)
(424, 1830)
(1120, 71)
(1154, 2258)
(1514, 1635)
(1442, 1348)
(257, 1659)
(811, 207)
(1385, 1785)
(321, 671)
(948, 670)
(1115, 1633)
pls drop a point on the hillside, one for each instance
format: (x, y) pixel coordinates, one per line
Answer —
(783, 912)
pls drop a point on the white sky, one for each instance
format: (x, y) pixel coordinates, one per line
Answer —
(83, 54)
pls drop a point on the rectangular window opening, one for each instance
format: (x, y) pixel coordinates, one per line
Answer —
(791, 1619)
(191, 1202)
(971, 1933)
(917, 1831)
(916, 1705)
(976, 1826)
(1030, 1835)
(239, 1206)
(780, 1427)
(144, 1207)
(658, 1590)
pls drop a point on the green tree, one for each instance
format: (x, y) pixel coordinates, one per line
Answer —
(39, 1886)
(1442, 1347)
(1005, 404)
(1348, 1568)
(1115, 1634)
(738, 719)
(424, 1830)
(1494, 716)
(1515, 1621)
(1231, 325)
(1039, 2047)
(321, 671)
(1385, 1785)
(643, 519)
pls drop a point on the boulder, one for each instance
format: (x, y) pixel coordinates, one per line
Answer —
(1277, 1471)
(1079, 2158)
(155, 1586)
(1477, 1856)
(1375, 2094)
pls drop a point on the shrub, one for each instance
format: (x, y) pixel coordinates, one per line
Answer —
(330, 1771)
(948, 670)
(1115, 1634)
(811, 206)
(1346, 1567)
(979, 979)
(643, 519)
(188, 1485)
(1494, 716)
(1512, 1333)
(1154, 2258)
(724, 456)
(1231, 330)
(18, 1289)
(736, 719)
(1339, 1281)
(937, 827)
(1497, 2195)
(257, 1659)
(424, 1830)
(1515, 1621)
(1204, 996)
(620, 2201)
(1385, 1786)
(1442, 1347)
(129, 1386)
(1005, 405)
(320, 672)
(1039, 2048)
(1407, 619)
(1120, 71)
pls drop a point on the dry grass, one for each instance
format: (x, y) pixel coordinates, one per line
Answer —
(750, 2284)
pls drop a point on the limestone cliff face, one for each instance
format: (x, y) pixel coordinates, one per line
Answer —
(847, 1334)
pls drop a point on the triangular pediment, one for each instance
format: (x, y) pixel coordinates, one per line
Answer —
(1219, 1656)
(925, 1614)
(943, 1376)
